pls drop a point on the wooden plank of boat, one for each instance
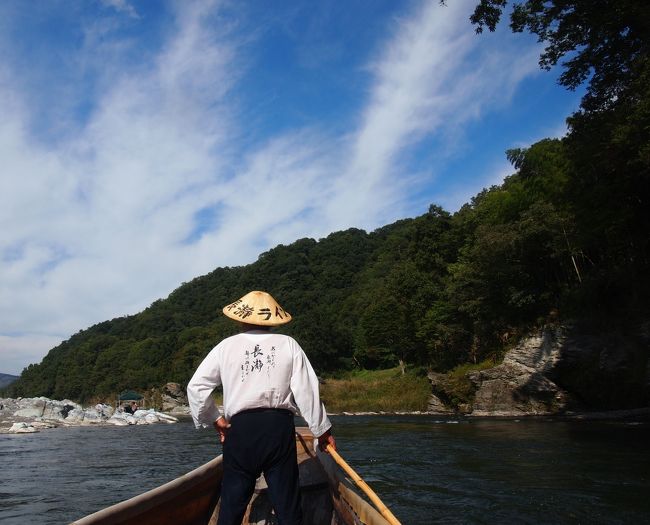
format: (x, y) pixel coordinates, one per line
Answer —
(328, 497)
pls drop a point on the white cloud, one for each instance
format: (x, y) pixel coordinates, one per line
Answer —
(103, 221)
(93, 226)
(433, 77)
(122, 6)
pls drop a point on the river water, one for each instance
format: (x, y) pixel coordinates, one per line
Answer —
(427, 470)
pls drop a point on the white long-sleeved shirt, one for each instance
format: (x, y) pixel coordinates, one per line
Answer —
(258, 369)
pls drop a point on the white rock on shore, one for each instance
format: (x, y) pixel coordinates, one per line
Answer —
(27, 415)
(141, 417)
(22, 428)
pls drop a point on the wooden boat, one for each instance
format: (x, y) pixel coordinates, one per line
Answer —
(328, 497)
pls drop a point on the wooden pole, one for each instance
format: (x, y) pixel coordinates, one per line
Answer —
(385, 512)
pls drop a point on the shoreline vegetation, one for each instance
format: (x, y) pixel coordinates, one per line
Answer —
(376, 391)
(388, 392)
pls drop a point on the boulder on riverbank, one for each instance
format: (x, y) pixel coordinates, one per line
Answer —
(437, 406)
(174, 400)
(21, 428)
(140, 417)
(26, 415)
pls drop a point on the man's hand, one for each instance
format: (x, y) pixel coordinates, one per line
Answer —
(222, 426)
(326, 439)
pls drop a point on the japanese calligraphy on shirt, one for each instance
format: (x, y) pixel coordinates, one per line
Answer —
(256, 361)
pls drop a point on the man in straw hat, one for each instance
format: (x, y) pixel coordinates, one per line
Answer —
(266, 380)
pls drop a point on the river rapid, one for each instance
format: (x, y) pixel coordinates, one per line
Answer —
(427, 470)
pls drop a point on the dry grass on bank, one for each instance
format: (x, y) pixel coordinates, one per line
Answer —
(376, 391)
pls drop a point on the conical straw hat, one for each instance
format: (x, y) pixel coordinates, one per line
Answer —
(257, 308)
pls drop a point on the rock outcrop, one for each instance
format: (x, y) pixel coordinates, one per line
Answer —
(439, 402)
(25, 415)
(521, 384)
(174, 400)
(556, 371)
(437, 406)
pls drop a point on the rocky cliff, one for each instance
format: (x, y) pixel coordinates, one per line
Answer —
(558, 370)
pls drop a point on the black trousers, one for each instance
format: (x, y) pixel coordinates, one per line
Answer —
(260, 440)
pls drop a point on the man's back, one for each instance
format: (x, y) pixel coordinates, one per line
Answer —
(256, 368)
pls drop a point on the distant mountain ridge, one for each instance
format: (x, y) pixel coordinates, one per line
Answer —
(7, 379)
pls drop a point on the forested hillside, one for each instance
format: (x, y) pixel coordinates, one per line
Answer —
(566, 237)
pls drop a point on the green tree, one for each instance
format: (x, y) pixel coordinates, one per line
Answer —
(605, 42)
(606, 45)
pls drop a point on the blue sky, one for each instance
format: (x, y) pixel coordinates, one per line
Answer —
(144, 143)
